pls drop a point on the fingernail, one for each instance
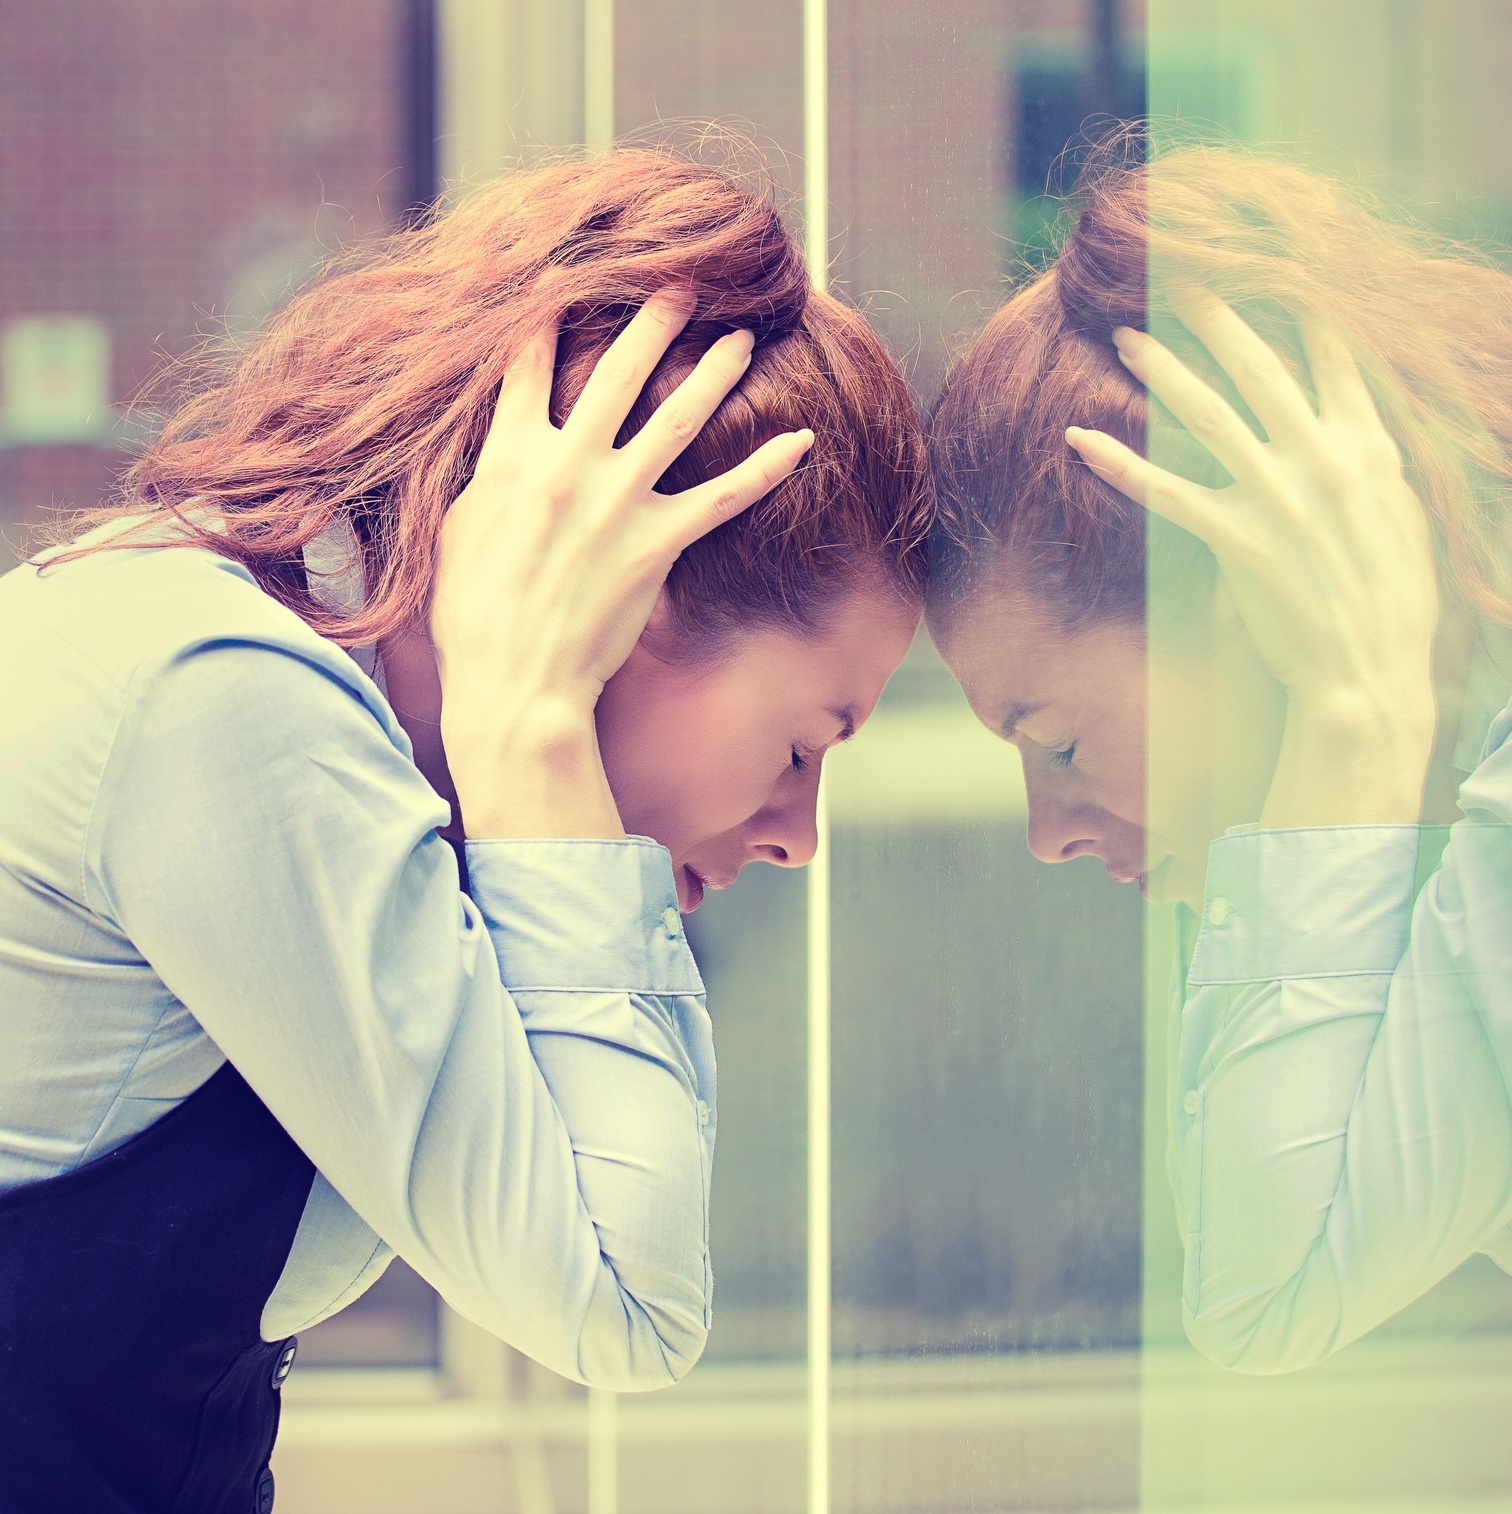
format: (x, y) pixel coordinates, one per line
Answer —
(1075, 436)
(1123, 337)
(745, 340)
(806, 437)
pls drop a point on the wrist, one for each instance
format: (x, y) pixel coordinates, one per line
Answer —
(1352, 757)
(528, 772)
(1398, 721)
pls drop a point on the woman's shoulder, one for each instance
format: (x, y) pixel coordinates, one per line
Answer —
(124, 610)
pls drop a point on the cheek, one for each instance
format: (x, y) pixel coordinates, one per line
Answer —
(1213, 745)
(1180, 762)
(1124, 792)
(645, 743)
(1117, 768)
(681, 767)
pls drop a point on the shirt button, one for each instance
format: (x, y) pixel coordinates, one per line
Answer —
(1192, 1102)
(1219, 911)
(262, 1495)
(285, 1363)
(703, 1114)
(672, 922)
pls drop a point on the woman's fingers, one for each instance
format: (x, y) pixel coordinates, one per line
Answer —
(1187, 505)
(1204, 413)
(619, 376)
(1258, 373)
(1342, 394)
(683, 414)
(525, 394)
(705, 506)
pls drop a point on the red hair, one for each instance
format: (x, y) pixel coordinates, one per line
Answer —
(369, 394)
(1429, 322)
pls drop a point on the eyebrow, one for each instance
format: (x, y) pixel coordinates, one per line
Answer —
(1015, 713)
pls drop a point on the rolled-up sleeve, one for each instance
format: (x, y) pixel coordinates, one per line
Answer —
(613, 1016)
(1341, 1133)
(540, 1152)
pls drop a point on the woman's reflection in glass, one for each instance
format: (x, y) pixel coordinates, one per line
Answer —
(1238, 592)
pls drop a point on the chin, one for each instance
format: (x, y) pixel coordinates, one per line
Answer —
(690, 888)
(1165, 883)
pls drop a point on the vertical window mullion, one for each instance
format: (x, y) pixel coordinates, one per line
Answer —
(598, 134)
(598, 72)
(816, 247)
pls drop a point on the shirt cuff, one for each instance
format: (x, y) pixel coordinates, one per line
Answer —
(583, 915)
(1328, 901)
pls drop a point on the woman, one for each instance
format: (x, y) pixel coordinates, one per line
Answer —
(1317, 619)
(537, 467)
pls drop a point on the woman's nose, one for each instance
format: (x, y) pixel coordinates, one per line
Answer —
(1058, 831)
(787, 835)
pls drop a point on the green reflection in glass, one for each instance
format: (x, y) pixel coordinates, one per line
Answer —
(1408, 98)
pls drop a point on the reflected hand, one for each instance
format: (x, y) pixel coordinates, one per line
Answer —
(1325, 551)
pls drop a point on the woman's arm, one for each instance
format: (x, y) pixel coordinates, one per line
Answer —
(1341, 1127)
(541, 1157)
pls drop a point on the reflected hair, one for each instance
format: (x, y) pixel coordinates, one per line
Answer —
(1428, 320)
(367, 397)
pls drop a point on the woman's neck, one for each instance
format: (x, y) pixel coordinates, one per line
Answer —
(414, 693)
(1453, 650)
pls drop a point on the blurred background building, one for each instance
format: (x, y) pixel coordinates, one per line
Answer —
(1002, 1259)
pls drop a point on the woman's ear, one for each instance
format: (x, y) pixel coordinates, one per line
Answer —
(1222, 610)
(662, 635)
(663, 618)
(671, 641)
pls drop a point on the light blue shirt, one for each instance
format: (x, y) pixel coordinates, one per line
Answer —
(1340, 1123)
(214, 844)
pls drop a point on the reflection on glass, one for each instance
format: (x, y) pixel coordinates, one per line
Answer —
(1266, 702)
(1392, 100)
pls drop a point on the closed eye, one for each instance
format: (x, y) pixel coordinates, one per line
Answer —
(803, 758)
(1064, 757)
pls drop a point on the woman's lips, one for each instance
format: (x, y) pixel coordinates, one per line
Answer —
(697, 882)
(1143, 879)
(1132, 875)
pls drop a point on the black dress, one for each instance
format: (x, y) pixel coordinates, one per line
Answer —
(133, 1379)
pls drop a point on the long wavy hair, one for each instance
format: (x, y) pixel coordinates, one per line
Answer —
(1429, 322)
(368, 396)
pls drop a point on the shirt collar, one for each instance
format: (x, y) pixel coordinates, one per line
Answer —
(333, 570)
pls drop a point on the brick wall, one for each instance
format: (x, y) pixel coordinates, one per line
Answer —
(165, 161)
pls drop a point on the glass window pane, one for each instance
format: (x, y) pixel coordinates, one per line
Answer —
(988, 1051)
(1007, 1271)
(1396, 102)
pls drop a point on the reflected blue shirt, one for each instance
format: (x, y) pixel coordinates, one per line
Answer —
(214, 844)
(1340, 1064)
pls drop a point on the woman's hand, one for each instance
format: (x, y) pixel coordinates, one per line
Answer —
(551, 561)
(1325, 551)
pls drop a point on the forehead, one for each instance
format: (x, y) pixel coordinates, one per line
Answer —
(858, 646)
(1013, 661)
